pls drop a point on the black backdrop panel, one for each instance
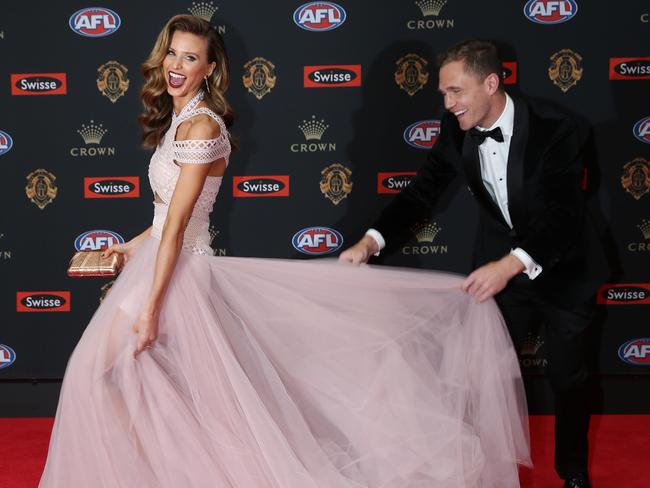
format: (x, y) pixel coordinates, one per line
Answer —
(295, 134)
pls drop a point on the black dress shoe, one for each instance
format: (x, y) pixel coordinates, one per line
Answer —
(578, 481)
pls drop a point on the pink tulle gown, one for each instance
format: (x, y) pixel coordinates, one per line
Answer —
(275, 373)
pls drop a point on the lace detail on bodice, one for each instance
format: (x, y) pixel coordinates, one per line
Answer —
(164, 170)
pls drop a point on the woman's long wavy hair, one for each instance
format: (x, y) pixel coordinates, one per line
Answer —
(157, 115)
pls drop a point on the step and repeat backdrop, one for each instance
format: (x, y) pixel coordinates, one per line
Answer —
(337, 106)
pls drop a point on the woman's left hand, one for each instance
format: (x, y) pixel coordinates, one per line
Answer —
(147, 329)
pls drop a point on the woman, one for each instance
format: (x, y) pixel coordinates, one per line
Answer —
(198, 371)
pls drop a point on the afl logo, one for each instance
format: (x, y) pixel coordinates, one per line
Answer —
(94, 22)
(317, 240)
(5, 142)
(550, 11)
(7, 356)
(641, 132)
(319, 16)
(422, 134)
(97, 240)
(636, 351)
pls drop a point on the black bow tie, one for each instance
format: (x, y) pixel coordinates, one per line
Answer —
(480, 135)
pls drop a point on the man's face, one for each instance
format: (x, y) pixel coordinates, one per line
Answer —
(466, 96)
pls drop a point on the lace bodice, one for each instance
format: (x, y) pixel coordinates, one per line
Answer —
(164, 170)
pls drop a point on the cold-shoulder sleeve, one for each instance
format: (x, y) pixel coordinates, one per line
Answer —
(201, 151)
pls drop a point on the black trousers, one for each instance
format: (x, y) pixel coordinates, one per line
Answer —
(566, 335)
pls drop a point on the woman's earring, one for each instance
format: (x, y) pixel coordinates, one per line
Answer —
(207, 85)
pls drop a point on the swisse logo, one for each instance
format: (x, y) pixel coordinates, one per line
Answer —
(509, 74)
(43, 301)
(94, 22)
(97, 240)
(641, 131)
(394, 182)
(7, 356)
(260, 186)
(6, 142)
(319, 16)
(422, 134)
(624, 294)
(629, 68)
(332, 76)
(550, 11)
(39, 84)
(111, 187)
(317, 240)
(636, 351)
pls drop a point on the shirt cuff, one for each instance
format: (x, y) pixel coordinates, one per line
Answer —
(379, 239)
(532, 269)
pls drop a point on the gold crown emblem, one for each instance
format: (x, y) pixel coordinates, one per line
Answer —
(203, 10)
(430, 7)
(425, 231)
(91, 133)
(313, 129)
(644, 227)
(531, 345)
(213, 233)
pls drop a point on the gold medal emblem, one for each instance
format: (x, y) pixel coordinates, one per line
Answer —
(335, 183)
(40, 188)
(411, 74)
(636, 177)
(112, 81)
(259, 77)
(566, 69)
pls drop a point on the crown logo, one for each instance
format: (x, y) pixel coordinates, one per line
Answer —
(213, 233)
(91, 133)
(531, 345)
(644, 227)
(430, 7)
(425, 231)
(203, 10)
(313, 129)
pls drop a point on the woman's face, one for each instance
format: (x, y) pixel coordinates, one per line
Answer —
(186, 63)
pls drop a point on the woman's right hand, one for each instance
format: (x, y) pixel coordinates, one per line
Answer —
(126, 250)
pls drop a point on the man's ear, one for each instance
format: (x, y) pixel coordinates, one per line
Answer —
(492, 82)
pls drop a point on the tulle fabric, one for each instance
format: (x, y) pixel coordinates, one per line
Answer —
(291, 374)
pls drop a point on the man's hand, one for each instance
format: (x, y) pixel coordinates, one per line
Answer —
(490, 279)
(360, 252)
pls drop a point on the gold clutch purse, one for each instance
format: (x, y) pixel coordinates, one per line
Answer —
(90, 263)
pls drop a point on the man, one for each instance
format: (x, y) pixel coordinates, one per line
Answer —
(537, 252)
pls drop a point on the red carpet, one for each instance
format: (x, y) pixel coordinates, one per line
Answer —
(620, 452)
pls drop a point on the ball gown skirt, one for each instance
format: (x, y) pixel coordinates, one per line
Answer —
(271, 373)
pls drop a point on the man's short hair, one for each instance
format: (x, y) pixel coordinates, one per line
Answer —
(481, 58)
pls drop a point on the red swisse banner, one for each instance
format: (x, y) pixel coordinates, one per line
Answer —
(624, 294)
(509, 72)
(43, 301)
(394, 182)
(39, 84)
(111, 187)
(260, 186)
(332, 76)
(629, 68)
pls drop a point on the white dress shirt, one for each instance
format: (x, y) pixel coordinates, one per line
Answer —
(493, 156)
